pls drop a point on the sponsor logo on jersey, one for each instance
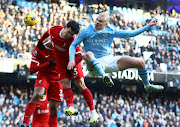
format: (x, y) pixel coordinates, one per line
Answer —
(97, 40)
(105, 34)
(59, 48)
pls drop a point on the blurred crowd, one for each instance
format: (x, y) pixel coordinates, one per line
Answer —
(117, 109)
(18, 40)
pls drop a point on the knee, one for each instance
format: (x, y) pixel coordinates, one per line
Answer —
(53, 107)
(38, 95)
(35, 98)
(80, 85)
(89, 55)
(53, 110)
(66, 84)
(141, 63)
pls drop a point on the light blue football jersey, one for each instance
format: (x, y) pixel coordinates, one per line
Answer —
(99, 42)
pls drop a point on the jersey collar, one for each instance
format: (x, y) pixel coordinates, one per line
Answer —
(60, 34)
(46, 46)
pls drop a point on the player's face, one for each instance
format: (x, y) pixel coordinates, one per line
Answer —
(100, 23)
(68, 33)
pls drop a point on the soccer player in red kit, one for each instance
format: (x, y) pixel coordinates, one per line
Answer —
(47, 82)
(41, 113)
(61, 38)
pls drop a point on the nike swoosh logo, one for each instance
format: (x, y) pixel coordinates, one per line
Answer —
(47, 56)
(38, 106)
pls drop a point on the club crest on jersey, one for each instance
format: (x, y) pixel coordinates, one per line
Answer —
(35, 53)
(64, 45)
(105, 35)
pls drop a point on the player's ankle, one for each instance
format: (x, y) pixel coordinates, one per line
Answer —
(71, 107)
(93, 112)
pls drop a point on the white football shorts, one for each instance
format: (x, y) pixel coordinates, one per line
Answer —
(109, 64)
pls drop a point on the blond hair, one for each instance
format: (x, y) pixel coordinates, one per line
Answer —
(105, 15)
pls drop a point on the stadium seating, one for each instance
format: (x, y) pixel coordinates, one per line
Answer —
(116, 109)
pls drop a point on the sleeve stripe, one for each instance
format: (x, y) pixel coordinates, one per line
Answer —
(34, 61)
(78, 52)
(49, 31)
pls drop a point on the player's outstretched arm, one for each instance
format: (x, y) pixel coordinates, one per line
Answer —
(45, 35)
(72, 49)
(35, 68)
(132, 33)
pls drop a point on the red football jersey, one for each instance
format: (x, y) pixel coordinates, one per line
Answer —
(42, 57)
(41, 114)
(60, 46)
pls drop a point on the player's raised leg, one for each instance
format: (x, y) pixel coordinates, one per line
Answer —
(88, 98)
(68, 96)
(126, 62)
(93, 64)
(31, 106)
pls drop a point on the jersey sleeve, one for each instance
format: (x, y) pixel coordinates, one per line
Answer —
(45, 35)
(78, 55)
(132, 33)
(36, 56)
(75, 43)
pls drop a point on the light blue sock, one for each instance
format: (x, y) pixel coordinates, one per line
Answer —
(144, 75)
(95, 65)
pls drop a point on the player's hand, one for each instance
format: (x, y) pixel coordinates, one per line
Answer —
(153, 22)
(71, 65)
(69, 71)
(40, 45)
(52, 63)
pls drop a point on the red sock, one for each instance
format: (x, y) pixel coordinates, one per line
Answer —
(30, 108)
(53, 121)
(88, 97)
(68, 96)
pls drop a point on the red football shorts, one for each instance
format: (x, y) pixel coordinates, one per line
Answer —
(55, 91)
(76, 74)
(53, 88)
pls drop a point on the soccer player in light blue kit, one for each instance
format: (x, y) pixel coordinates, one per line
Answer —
(97, 39)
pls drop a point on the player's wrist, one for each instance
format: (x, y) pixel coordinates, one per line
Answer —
(69, 71)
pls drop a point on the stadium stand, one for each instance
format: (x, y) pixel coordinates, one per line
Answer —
(161, 43)
(118, 109)
(163, 39)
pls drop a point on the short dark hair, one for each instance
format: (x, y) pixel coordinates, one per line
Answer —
(74, 26)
